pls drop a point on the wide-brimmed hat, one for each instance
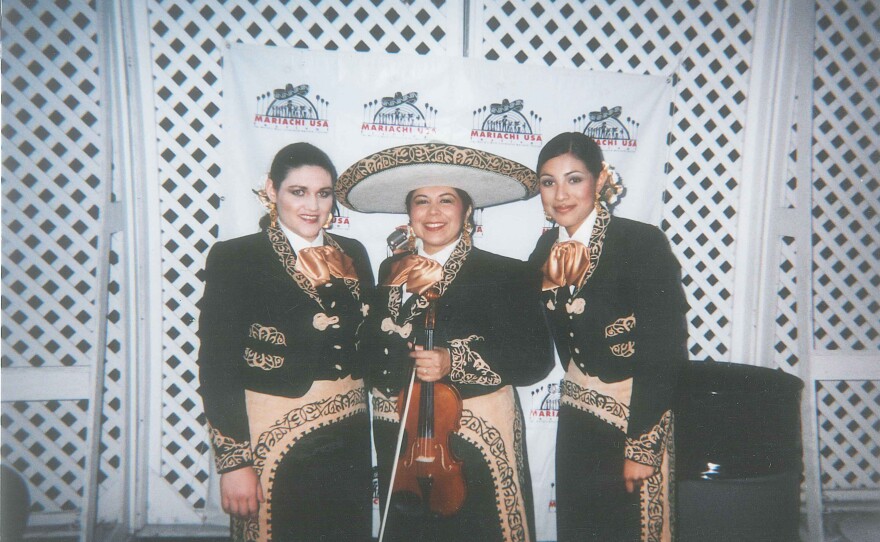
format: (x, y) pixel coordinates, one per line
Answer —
(380, 182)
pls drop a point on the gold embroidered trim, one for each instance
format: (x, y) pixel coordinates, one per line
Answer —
(450, 271)
(657, 504)
(597, 242)
(266, 362)
(468, 367)
(245, 530)
(493, 445)
(648, 448)
(288, 259)
(267, 334)
(621, 325)
(602, 406)
(385, 408)
(227, 452)
(623, 350)
(325, 403)
(350, 403)
(434, 153)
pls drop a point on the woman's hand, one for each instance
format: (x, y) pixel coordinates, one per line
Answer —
(241, 492)
(431, 365)
(634, 473)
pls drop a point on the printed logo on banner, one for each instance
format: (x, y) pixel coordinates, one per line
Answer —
(341, 221)
(291, 108)
(399, 115)
(609, 130)
(545, 403)
(375, 488)
(506, 123)
(478, 223)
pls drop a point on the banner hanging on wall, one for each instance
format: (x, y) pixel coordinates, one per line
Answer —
(354, 104)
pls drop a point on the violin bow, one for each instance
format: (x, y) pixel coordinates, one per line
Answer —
(429, 325)
(412, 378)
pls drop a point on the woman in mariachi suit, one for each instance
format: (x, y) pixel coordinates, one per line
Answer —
(490, 334)
(613, 297)
(281, 383)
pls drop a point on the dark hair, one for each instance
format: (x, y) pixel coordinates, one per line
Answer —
(583, 147)
(297, 155)
(294, 156)
(466, 201)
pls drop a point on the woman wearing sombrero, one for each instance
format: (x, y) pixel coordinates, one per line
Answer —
(489, 336)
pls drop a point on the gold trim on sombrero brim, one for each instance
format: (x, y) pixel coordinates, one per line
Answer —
(380, 182)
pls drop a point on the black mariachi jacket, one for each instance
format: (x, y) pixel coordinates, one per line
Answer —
(628, 318)
(264, 327)
(488, 316)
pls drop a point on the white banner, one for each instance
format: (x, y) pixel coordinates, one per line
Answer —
(353, 104)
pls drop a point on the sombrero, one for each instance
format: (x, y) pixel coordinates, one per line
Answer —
(380, 182)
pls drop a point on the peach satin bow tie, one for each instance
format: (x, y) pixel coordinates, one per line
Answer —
(567, 265)
(419, 273)
(321, 263)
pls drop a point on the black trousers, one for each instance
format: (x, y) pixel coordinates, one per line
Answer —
(591, 500)
(322, 490)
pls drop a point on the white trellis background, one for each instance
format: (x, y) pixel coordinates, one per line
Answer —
(780, 249)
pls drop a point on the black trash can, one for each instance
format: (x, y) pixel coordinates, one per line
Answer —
(738, 461)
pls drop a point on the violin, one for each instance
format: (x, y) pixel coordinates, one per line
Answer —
(427, 478)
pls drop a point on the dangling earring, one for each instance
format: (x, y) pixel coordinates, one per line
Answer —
(273, 215)
(547, 217)
(410, 238)
(328, 222)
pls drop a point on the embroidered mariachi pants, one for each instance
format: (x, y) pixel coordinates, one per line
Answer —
(592, 502)
(312, 454)
(490, 444)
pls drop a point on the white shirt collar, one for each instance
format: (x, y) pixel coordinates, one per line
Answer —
(298, 243)
(583, 233)
(442, 255)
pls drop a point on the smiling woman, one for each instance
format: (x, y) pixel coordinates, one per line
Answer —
(621, 353)
(279, 367)
(489, 337)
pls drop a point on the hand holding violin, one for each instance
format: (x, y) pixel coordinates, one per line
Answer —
(431, 365)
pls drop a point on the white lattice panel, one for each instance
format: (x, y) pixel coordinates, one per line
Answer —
(785, 348)
(712, 44)
(187, 47)
(846, 178)
(45, 442)
(52, 161)
(849, 434)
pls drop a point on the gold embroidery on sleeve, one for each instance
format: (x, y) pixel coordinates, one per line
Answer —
(227, 452)
(648, 448)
